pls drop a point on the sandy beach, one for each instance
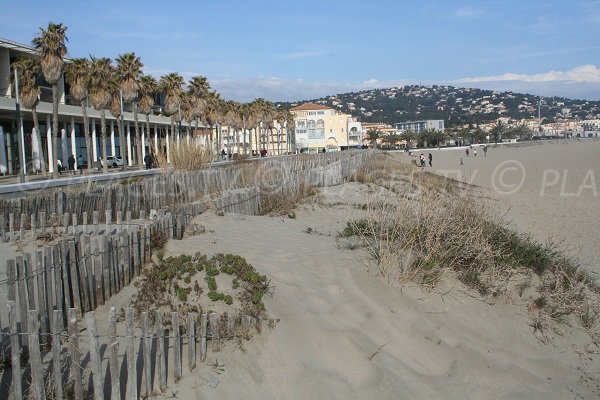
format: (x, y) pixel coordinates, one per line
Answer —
(344, 332)
(551, 190)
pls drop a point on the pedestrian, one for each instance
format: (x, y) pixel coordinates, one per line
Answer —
(148, 161)
(223, 154)
(80, 164)
(485, 150)
(71, 162)
(422, 159)
(430, 159)
(474, 152)
(467, 152)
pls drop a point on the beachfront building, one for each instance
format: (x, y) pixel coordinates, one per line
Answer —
(157, 139)
(419, 126)
(321, 128)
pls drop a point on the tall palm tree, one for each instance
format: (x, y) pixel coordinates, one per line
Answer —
(290, 126)
(172, 86)
(52, 48)
(497, 130)
(101, 91)
(213, 117)
(408, 135)
(373, 134)
(198, 88)
(148, 87)
(281, 118)
(77, 73)
(29, 92)
(129, 72)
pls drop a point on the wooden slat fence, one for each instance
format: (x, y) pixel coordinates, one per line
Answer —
(84, 360)
(172, 190)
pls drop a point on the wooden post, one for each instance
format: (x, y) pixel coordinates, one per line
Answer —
(15, 352)
(107, 216)
(2, 228)
(62, 254)
(22, 227)
(131, 372)
(66, 223)
(74, 351)
(119, 220)
(203, 326)
(95, 221)
(33, 226)
(161, 364)
(147, 341)
(30, 282)
(41, 289)
(35, 358)
(95, 359)
(113, 354)
(22, 293)
(176, 346)
(10, 280)
(56, 352)
(75, 279)
(230, 325)
(84, 222)
(74, 221)
(191, 341)
(214, 330)
(43, 221)
(11, 227)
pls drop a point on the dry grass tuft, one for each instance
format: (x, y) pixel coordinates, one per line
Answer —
(186, 157)
(435, 232)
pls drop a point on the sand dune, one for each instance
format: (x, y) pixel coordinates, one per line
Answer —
(344, 332)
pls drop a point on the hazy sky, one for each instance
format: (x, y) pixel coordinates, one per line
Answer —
(295, 50)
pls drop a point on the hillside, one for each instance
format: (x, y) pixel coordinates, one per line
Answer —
(457, 106)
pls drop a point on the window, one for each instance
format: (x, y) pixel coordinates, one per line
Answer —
(301, 123)
(311, 124)
(320, 112)
(320, 123)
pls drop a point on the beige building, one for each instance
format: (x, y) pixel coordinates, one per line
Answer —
(320, 128)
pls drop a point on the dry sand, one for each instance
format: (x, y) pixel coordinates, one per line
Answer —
(345, 333)
(551, 190)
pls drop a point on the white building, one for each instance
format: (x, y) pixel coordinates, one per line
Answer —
(418, 126)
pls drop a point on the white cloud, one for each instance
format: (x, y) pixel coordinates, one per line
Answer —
(467, 12)
(583, 73)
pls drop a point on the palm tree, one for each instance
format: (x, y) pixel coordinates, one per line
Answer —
(172, 86)
(101, 91)
(198, 87)
(29, 92)
(52, 48)
(373, 134)
(77, 73)
(408, 135)
(497, 130)
(290, 126)
(129, 72)
(148, 86)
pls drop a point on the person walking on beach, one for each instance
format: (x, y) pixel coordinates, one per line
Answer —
(430, 159)
(422, 159)
(485, 150)
(467, 152)
(474, 152)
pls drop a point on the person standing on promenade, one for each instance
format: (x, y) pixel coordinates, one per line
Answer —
(474, 152)
(71, 162)
(467, 152)
(485, 150)
(430, 159)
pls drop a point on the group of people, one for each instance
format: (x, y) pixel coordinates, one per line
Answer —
(475, 151)
(423, 159)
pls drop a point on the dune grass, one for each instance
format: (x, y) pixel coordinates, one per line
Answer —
(438, 231)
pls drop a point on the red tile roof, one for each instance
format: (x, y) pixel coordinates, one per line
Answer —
(310, 106)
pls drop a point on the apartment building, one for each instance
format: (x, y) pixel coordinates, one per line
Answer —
(418, 126)
(71, 125)
(321, 128)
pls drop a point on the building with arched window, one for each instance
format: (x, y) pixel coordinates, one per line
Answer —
(321, 128)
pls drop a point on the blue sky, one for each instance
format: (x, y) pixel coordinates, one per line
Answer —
(295, 50)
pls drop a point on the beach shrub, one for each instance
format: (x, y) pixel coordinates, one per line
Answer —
(437, 231)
